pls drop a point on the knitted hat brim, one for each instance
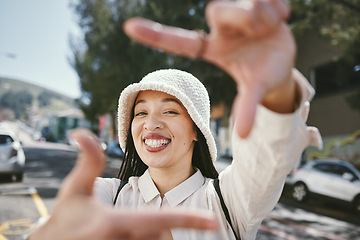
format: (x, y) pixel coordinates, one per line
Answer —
(126, 104)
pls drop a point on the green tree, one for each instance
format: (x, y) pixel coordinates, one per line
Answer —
(336, 20)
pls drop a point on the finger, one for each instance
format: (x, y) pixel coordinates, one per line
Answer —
(244, 110)
(283, 8)
(159, 221)
(230, 17)
(250, 18)
(170, 39)
(268, 16)
(89, 165)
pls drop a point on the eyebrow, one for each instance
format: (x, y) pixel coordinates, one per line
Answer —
(163, 100)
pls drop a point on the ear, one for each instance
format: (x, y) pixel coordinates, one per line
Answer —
(196, 137)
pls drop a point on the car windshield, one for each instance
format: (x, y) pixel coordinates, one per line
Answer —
(5, 139)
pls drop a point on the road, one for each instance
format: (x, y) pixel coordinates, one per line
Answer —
(22, 204)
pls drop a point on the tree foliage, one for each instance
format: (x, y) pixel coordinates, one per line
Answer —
(336, 20)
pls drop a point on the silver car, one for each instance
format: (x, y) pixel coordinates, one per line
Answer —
(12, 157)
(331, 178)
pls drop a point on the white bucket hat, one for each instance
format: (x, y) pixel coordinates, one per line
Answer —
(182, 85)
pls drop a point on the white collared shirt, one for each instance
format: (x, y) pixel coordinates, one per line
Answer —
(251, 185)
(196, 192)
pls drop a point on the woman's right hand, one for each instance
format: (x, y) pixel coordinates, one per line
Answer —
(78, 215)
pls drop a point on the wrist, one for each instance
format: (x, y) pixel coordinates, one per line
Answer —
(285, 98)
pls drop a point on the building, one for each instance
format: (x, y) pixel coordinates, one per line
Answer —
(338, 122)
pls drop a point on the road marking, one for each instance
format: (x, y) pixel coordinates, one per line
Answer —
(27, 223)
(2, 237)
(17, 227)
(40, 205)
(25, 226)
(3, 227)
(35, 196)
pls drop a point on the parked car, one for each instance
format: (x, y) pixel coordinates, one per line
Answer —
(113, 149)
(12, 157)
(328, 178)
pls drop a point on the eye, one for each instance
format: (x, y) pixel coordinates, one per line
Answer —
(171, 112)
(140, 114)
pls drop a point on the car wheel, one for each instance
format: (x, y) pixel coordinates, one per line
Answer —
(300, 192)
(18, 177)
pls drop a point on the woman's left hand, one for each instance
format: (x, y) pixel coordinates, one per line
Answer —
(79, 215)
(248, 39)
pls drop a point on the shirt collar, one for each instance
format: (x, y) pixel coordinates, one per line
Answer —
(147, 187)
(176, 195)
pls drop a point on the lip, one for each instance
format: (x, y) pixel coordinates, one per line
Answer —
(155, 136)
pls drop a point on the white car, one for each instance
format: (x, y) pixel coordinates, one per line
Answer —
(12, 157)
(331, 178)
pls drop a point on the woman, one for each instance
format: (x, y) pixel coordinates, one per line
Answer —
(162, 126)
(169, 154)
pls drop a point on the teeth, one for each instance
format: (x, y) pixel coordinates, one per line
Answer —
(154, 143)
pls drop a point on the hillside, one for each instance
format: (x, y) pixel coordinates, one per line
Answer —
(18, 95)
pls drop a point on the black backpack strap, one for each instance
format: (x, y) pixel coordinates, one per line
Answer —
(121, 185)
(223, 206)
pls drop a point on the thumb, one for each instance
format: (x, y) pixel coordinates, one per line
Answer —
(244, 110)
(89, 165)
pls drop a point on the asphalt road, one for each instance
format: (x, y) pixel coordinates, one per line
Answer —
(22, 204)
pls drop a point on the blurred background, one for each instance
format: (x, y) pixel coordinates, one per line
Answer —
(63, 65)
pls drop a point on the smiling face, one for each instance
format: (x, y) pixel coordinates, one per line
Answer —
(163, 132)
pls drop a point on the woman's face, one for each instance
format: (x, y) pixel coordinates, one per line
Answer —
(163, 131)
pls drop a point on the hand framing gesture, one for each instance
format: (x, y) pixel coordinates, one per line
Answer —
(249, 40)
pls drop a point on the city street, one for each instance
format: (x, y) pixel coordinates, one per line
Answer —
(262, 97)
(22, 204)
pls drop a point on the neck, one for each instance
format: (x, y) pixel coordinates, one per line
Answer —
(165, 180)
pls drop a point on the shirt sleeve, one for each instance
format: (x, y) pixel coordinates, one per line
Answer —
(105, 189)
(253, 183)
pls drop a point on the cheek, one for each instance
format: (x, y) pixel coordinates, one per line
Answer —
(135, 130)
(187, 131)
(193, 135)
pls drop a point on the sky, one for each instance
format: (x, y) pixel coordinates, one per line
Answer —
(35, 45)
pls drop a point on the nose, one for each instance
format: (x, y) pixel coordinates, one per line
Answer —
(152, 123)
